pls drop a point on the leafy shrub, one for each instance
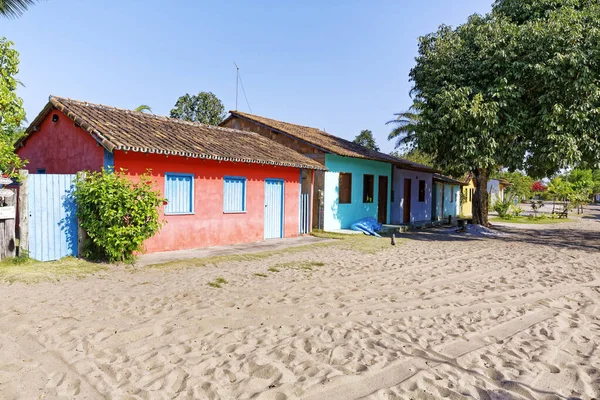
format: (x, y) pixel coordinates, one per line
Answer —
(517, 211)
(502, 208)
(117, 214)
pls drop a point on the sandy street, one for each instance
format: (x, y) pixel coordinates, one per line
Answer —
(437, 316)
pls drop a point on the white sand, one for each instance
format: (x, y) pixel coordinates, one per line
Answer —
(511, 317)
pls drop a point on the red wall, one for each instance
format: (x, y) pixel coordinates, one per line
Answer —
(209, 226)
(61, 148)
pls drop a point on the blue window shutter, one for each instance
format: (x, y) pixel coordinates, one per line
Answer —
(179, 192)
(109, 160)
(234, 194)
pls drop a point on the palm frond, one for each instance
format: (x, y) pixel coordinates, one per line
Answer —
(402, 117)
(15, 8)
(143, 108)
(407, 124)
(403, 134)
(405, 141)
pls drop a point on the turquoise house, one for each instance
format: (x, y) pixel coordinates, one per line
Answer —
(370, 184)
(358, 182)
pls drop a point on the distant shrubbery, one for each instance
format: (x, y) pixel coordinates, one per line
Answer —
(517, 211)
(508, 208)
(538, 217)
(502, 207)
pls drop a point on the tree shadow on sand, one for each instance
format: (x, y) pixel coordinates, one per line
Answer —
(552, 236)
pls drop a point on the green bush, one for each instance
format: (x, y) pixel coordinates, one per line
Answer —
(502, 208)
(517, 211)
(117, 214)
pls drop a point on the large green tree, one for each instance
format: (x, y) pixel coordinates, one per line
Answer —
(518, 88)
(559, 189)
(365, 138)
(582, 182)
(204, 107)
(582, 186)
(520, 184)
(596, 177)
(12, 113)
(14, 8)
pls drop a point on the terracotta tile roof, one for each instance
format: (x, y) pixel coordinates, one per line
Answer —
(120, 129)
(330, 143)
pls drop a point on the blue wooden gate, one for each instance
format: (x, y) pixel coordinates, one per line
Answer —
(52, 216)
(273, 208)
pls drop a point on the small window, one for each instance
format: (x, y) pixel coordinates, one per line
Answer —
(470, 194)
(345, 185)
(421, 191)
(40, 171)
(234, 194)
(452, 194)
(368, 188)
(179, 192)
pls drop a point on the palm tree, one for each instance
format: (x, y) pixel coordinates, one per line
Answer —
(143, 108)
(15, 8)
(407, 124)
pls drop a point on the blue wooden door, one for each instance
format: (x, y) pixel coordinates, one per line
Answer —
(273, 208)
(52, 216)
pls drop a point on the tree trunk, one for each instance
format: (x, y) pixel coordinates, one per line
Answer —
(480, 198)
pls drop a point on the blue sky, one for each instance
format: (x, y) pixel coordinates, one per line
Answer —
(337, 65)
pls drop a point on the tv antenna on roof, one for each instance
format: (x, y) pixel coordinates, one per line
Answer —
(238, 81)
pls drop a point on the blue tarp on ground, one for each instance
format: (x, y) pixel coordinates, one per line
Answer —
(368, 226)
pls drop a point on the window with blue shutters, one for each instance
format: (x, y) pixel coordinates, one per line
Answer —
(179, 192)
(234, 194)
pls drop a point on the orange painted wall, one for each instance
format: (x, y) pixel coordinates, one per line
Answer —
(61, 148)
(209, 226)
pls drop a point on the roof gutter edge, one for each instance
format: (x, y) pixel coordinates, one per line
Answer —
(219, 158)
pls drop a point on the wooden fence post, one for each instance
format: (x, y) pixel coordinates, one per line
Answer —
(7, 231)
(24, 213)
(81, 235)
